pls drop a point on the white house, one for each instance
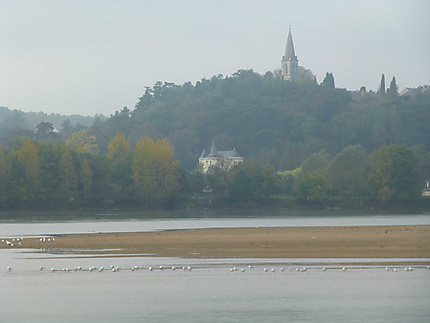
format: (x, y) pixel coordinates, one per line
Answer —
(224, 159)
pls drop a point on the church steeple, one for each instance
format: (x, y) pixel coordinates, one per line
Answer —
(289, 62)
(289, 49)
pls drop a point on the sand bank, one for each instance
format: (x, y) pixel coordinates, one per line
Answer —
(410, 241)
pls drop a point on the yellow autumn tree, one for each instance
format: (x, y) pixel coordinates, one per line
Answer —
(154, 170)
(27, 158)
(119, 146)
(81, 142)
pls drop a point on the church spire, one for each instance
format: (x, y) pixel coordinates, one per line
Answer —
(289, 62)
(289, 49)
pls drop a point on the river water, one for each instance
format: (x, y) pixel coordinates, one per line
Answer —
(212, 291)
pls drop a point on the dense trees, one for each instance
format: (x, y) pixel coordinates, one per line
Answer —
(393, 172)
(299, 139)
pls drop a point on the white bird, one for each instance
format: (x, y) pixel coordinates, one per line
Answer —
(234, 268)
(273, 270)
(266, 269)
(150, 268)
(173, 267)
(231, 269)
(9, 268)
(189, 268)
(52, 269)
(161, 267)
(250, 267)
(282, 269)
(343, 268)
(41, 268)
(101, 269)
(323, 269)
(243, 270)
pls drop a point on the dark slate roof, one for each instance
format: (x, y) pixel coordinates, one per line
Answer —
(203, 153)
(214, 151)
(230, 153)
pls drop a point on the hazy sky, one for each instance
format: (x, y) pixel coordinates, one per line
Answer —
(96, 56)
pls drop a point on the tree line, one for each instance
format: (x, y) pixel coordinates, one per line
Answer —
(70, 175)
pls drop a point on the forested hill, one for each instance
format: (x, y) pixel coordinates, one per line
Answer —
(268, 119)
(20, 123)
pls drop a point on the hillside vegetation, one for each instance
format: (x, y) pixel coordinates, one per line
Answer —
(268, 119)
(303, 144)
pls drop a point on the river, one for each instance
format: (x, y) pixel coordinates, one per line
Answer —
(276, 290)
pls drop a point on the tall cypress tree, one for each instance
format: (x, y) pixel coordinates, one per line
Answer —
(382, 86)
(329, 80)
(393, 87)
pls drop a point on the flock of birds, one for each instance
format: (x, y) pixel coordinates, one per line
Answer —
(189, 268)
(16, 242)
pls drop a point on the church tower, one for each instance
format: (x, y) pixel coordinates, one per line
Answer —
(289, 62)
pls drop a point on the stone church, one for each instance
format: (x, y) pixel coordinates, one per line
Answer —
(290, 69)
(289, 62)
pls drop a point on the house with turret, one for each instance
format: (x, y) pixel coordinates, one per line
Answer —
(224, 159)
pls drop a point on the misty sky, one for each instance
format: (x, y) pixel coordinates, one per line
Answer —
(89, 56)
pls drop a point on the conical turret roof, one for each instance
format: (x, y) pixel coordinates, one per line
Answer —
(214, 151)
(203, 153)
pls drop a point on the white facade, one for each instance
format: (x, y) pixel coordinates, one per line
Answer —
(224, 159)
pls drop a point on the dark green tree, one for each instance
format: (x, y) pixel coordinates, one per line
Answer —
(382, 85)
(348, 172)
(393, 173)
(329, 80)
(393, 88)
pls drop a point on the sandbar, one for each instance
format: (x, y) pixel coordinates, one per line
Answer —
(390, 241)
